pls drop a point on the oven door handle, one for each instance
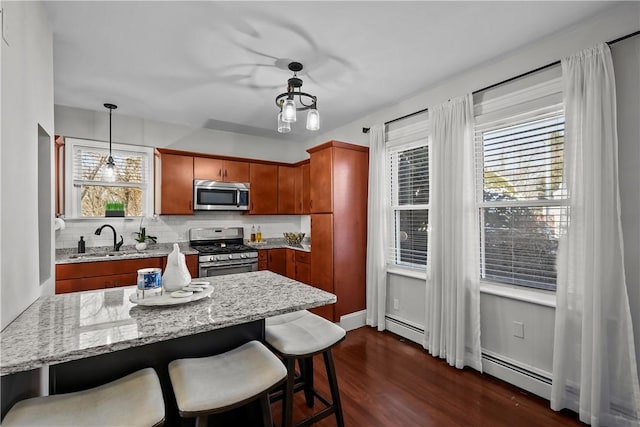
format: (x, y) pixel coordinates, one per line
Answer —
(231, 264)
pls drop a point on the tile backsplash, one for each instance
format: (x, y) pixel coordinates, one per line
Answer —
(170, 229)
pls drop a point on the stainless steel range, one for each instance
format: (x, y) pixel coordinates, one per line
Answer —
(222, 251)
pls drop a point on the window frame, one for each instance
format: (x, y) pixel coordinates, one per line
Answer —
(72, 189)
(511, 109)
(396, 146)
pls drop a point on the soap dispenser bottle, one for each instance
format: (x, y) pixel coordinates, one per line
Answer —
(81, 245)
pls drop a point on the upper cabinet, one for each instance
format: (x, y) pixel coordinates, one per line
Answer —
(321, 190)
(220, 169)
(286, 190)
(263, 198)
(302, 195)
(174, 173)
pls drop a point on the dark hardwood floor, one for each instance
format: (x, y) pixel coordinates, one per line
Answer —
(388, 381)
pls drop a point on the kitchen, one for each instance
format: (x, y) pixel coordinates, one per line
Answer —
(93, 124)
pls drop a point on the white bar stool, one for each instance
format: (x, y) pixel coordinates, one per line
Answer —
(134, 400)
(299, 336)
(215, 384)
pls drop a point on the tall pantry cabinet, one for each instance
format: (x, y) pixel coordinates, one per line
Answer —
(339, 175)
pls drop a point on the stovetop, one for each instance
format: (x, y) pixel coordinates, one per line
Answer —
(222, 248)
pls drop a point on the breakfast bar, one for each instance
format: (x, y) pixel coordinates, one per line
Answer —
(87, 338)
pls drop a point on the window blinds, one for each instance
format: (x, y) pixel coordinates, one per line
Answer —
(522, 197)
(408, 173)
(89, 164)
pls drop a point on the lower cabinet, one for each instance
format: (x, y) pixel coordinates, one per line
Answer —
(277, 261)
(88, 276)
(287, 262)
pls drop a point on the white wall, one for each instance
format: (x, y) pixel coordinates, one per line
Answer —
(535, 350)
(27, 101)
(87, 124)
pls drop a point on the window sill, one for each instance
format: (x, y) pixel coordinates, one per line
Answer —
(416, 274)
(534, 296)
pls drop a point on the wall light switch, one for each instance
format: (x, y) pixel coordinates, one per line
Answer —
(396, 304)
(518, 329)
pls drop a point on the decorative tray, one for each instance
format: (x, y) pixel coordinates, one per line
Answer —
(167, 298)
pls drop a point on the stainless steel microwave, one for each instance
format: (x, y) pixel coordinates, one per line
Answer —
(220, 196)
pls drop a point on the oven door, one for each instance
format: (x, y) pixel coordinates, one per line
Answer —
(208, 269)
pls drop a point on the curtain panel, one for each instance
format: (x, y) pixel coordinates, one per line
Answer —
(378, 206)
(452, 324)
(594, 366)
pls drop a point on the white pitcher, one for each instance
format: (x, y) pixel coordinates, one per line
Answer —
(176, 275)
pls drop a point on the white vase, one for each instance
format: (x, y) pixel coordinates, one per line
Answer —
(176, 274)
(141, 246)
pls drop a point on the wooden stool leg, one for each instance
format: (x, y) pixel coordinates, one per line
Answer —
(266, 411)
(307, 377)
(202, 421)
(333, 386)
(287, 398)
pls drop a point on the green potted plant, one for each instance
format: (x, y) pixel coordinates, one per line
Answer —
(114, 209)
(142, 238)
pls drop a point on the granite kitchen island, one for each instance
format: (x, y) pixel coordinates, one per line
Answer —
(88, 338)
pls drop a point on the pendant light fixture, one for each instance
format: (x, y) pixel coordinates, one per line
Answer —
(288, 106)
(110, 170)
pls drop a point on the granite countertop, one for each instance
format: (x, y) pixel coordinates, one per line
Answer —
(281, 243)
(61, 328)
(96, 254)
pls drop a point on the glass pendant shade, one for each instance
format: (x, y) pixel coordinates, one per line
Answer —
(289, 111)
(109, 173)
(283, 127)
(313, 119)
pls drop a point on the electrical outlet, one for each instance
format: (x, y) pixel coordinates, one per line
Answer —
(518, 329)
(396, 304)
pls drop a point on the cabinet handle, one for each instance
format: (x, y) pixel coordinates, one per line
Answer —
(311, 204)
(220, 172)
(225, 172)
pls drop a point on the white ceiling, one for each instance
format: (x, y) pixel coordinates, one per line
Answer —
(220, 65)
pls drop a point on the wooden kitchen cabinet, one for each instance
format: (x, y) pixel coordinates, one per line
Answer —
(277, 261)
(263, 259)
(174, 194)
(299, 265)
(263, 179)
(86, 276)
(220, 169)
(339, 225)
(321, 172)
(192, 265)
(302, 195)
(286, 190)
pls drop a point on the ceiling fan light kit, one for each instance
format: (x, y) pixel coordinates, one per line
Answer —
(288, 106)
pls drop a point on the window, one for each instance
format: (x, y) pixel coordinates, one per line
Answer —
(90, 192)
(521, 196)
(408, 167)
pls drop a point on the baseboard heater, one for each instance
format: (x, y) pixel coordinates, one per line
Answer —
(516, 368)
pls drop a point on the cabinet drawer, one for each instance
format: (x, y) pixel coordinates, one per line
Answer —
(94, 283)
(303, 257)
(82, 270)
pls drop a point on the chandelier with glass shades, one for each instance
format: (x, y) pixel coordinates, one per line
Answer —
(294, 100)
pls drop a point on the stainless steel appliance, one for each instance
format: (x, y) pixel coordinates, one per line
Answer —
(222, 251)
(220, 196)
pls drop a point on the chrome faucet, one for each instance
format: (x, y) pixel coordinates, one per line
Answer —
(116, 245)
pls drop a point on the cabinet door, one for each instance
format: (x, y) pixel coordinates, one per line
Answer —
(306, 188)
(298, 189)
(322, 259)
(205, 168)
(235, 171)
(286, 190)
(278, 261)
(192, 265)
(264, 189)
(303, 272)
(176, 185)
(322, 181)
(291, 263)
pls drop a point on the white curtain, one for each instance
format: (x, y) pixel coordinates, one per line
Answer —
(594, 366)
(452, 324)
(377, 229)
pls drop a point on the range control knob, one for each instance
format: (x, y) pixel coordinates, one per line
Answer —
(230, 256)
(243, 256)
